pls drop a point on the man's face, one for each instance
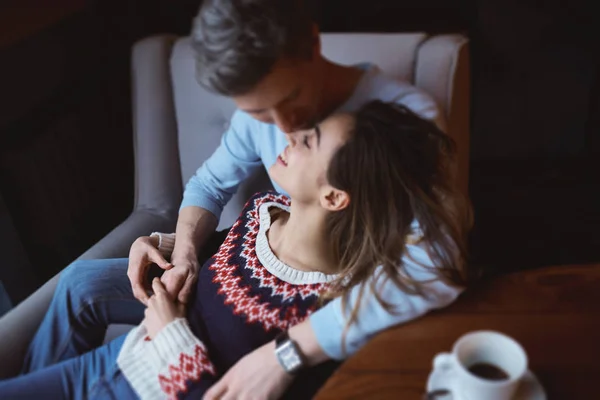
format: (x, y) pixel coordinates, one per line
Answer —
(288, 97)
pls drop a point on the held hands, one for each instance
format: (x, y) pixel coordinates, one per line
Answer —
(142, 254)
(179, 280)
(162, 309)
(179, 277)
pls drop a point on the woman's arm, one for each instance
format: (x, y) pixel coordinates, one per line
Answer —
(163, 357)
(304, 336)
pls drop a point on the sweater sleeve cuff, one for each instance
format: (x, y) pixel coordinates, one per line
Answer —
(162, 367)
(174, 339)
(328, 332)
(166, 243)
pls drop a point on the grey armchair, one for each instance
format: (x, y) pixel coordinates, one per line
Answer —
(177, 125)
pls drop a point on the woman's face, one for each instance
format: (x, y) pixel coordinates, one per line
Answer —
(301, 170)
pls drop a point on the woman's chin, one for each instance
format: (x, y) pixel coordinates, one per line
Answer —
(276, 174)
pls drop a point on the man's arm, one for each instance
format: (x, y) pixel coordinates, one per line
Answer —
(216, 181)
(205, 195)
(194, 227)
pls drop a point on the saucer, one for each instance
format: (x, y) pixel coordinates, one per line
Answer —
(530, 387)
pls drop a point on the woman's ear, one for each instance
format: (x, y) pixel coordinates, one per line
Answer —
(333, 199)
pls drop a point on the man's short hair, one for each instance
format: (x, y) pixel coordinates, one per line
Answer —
(237, 42)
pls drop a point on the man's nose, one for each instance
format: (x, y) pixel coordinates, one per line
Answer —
(284, 121)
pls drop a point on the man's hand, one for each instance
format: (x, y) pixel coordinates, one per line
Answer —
(179, 280)
(142, 254)
(162, 309)
(246, 381)
(194, 227)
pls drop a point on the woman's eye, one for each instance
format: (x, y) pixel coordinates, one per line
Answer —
(305, 141)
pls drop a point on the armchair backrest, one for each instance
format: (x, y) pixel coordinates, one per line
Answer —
(437, 64)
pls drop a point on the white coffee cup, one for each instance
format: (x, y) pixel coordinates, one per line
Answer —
(487, 347)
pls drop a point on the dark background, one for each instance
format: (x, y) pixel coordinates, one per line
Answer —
(66, 166)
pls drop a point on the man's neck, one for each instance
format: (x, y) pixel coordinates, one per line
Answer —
(339, 84)
(298, 239)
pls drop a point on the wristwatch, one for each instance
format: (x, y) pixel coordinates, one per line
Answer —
(288, 353)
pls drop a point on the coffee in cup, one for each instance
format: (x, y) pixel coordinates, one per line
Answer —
(483, 365)
(488, 371)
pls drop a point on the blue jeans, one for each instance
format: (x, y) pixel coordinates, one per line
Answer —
(94, 375)
(90, 295)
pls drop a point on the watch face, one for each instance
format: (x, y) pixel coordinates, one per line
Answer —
(288, 356)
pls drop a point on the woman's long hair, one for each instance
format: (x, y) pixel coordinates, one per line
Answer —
(397, 168)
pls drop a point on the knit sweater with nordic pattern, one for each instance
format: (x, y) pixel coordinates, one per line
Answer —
(245, 296)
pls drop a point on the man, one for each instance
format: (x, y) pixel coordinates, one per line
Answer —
(265, 55)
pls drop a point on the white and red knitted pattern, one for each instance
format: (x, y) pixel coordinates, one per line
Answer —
(161, 368)
(238, 294)
(254, 290)
(190, 368)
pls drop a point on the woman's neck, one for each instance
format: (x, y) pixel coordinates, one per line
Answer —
(298, 239)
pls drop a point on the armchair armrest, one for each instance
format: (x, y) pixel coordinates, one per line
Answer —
(18, 326)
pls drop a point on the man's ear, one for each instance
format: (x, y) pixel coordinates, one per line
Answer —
(333, 199)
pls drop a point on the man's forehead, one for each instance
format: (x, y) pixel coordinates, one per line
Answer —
(281, 84)
(263, 101)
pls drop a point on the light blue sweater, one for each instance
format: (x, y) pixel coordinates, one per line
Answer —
(249, 145)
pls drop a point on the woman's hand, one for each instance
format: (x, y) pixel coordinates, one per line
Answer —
(162, 309)
(258, 375)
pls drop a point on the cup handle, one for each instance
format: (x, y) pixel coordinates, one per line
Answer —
(443, 362)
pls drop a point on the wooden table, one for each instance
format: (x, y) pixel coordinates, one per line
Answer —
(553, 312)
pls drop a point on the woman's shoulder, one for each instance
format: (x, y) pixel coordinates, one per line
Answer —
(269, 196)
(251, 211)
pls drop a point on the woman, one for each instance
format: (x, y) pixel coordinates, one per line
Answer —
(362, 187)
